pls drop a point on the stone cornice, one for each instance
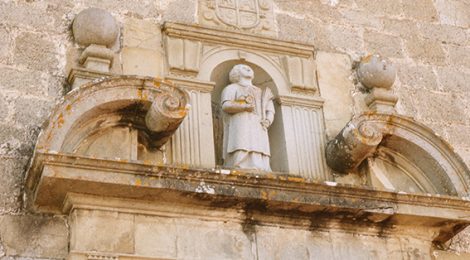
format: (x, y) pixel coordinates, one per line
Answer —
(237, 39)
(52, 177)
(275, 181)
(190, 83)
(302, 101)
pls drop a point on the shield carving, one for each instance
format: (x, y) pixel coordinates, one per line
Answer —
(242, 14)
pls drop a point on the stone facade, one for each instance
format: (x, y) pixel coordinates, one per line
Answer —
(428, 42)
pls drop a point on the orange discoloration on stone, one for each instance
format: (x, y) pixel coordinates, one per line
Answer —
(60, 120)
(295, 179)
(182, 112)
(157, 82)
(264, 195)
(366, 58)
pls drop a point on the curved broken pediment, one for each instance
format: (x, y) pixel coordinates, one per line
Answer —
(124, 117)
(401, 154)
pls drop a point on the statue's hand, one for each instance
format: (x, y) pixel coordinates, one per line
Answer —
(265, 123)
(249, 107)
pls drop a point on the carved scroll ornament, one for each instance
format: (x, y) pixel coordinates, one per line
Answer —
(352, 146)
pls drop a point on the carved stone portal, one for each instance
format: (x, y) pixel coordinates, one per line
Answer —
(249, 112)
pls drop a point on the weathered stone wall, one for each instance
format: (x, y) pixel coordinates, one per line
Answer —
(428, 40)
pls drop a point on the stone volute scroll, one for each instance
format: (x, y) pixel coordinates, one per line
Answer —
(126, 117)
(356, 142)
(352, 146)
(248, 113)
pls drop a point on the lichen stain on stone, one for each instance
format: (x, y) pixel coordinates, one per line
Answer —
(367, 58)
(295, 179)
(60, 120)
(203, 188)
(143, 95)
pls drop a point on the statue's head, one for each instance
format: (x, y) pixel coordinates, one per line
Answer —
(239, 71)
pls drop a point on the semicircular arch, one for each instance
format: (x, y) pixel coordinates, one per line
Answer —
(434, 157)
(217, 56)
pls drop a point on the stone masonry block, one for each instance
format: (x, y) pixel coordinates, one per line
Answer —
(104, 231)
(4, 110)
(445, 33)
(35, 52)
(422, 10)
(181, 11)
(425, 51)
(11, 179)
(361, 19)
(317, 9)
(458, 134)
(34, 236)
(306, 31)
(5, 44)
(142, 34)
(417, 76)
(381, 8)
(406, 104)
(142, 62)
(459, 55)
(135, 8)
(29, 14)
(16, 141)
(335, 86)
(31, 111)
(199, 239)
(155, 236)
(386, 45)
(433, 106)
(453, 12)
(344, 38)
(23, 81)
(400, 27)
(453, 79)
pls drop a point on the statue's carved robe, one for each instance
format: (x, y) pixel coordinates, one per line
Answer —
(246, 141)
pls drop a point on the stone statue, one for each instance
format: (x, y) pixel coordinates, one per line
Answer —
(248, 113)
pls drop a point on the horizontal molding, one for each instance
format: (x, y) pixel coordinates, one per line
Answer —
(191, 83)
(237, 39)
(250, 180)
(301, 101)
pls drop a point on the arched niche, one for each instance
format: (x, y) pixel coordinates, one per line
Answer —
(408, 156)
(215, 67)
(213, 58)
(107, 119)
(297, 134)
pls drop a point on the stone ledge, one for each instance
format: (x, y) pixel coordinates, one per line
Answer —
(237, 39)
(53, 176)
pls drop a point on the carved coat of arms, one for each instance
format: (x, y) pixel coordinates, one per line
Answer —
(241, 14)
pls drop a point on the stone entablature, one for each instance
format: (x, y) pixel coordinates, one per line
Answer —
(101, 193)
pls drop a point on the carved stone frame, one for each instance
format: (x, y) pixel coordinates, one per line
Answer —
(193, 52)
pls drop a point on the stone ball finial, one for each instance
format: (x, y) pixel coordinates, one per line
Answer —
(95, 26)
(374, 71)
